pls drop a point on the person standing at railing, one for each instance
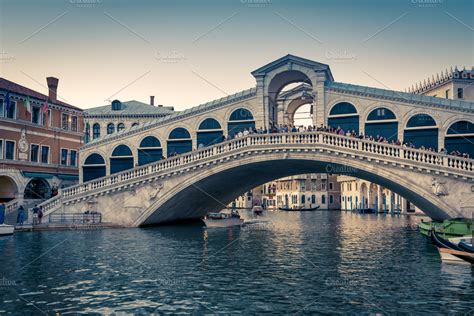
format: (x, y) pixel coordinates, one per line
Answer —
(40, 214)
(35, 214)
(21, 215)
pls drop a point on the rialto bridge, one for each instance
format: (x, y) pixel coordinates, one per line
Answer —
(134, 180)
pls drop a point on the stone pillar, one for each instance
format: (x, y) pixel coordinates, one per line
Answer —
(319, 107)
(404, 208)
(441, 133)
(380, 199)
(261, 113)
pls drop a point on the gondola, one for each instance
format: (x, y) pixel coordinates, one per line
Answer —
(445, 246)
(466, 247)
(298, 209)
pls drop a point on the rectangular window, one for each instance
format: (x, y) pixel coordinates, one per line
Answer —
(35, 115)
(65, 121)
(446, 94)
(2, 109)
(74, 124)
(73, 158)
(1, 148)
(34, 153)
(331, 185)
(9, 149)
(331, 199)
(64, 157)
(460, 93)
(47, 118)
(44, 154)
(11, 111)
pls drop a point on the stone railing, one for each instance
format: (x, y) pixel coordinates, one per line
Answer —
(11, 206)
(343, 144)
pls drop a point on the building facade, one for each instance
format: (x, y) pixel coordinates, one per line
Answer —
(39, 142)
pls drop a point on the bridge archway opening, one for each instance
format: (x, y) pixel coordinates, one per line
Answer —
(240, 119)
(279, 85)
(37, 188)
(121, 159)
(422, 131)
(209, 133)
(93, 168)
(382, 122)
(460, 137)
(345, 116)
(179, 141)
(149, 151)
(8, 189)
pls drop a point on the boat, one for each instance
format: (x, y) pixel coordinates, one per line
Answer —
(450, 251)
(6, 229)
(223, 219)
(257, 210)
(287, 209)
(449, 228)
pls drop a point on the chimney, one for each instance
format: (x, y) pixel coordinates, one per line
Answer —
(152, 100)
(52, 88)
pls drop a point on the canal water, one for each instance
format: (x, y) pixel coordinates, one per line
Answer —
(300, 263)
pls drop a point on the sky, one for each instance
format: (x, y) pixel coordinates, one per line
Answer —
(190, 52)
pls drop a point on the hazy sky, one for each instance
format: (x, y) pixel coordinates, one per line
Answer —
(190, 52)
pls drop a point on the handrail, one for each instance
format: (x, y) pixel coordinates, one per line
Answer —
(426, 157)
(11, 206)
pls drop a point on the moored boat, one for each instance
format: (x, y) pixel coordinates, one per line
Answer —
(449, 228)
(287, 209)
(450, 250)
(223, 219)
(257, 210)
(6, 229)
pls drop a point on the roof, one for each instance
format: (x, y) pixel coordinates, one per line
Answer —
(175, 116)
(132, 107)
(401, 96)
(22, 90)
(295, 60)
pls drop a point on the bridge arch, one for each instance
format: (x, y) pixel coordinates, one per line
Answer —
(8, 188)
(121, 159)
(421, 130)
(179, 141)
(209, 132)
(239, 120)
(344, 114)
(186, 201)
(381, 121)
(149, 150)
(460, 137)
(93, 167)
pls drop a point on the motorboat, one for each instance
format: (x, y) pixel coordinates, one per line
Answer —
(223, 219)
(6, 229)
(257, 210)
(287, 209)
(458, 249)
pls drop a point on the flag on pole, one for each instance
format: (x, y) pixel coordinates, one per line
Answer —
(28, 104)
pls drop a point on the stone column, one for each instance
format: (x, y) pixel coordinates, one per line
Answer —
(261, 113)
(404, 208)
(380, 199)
(319, 107)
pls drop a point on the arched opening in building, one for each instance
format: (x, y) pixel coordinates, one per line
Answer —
(110, 128)
(149, 151)
(37, 188)
(120, 126)
(295, 105)
(95, 131)
(209, 133)
(460, 138)
(179, 141)
(134, 124)
(382, 122)
(421, 131)
(345, 116)
(240, 120)
(8, 189)
(121, 159)
(93, 168)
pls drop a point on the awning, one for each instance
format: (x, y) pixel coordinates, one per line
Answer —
(68, 177)
(38, 175)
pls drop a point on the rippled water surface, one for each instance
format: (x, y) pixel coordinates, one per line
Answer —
(310, 262)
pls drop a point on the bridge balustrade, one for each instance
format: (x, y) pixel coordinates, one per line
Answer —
(340, 141)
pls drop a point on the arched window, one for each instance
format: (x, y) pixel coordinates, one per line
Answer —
(93, 168)
(110, 128)
(209, 133)
(421, 131)
(239, 120)
(382, 122)
(95, 131)
(149, 151)
(344, 115)
(120, 126)
(135, 124)
(121, 159)
(87, 133)
(303, 199)
(460, 137)
(179, 141)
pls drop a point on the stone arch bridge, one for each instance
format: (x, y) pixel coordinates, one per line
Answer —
(136, 178)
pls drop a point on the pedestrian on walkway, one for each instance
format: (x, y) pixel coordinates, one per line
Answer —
(35, 214)
(40, 214)
(21, 215)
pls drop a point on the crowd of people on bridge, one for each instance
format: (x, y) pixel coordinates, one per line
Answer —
(339, 131)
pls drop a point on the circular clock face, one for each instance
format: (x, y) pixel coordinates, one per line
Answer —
(23, 145)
